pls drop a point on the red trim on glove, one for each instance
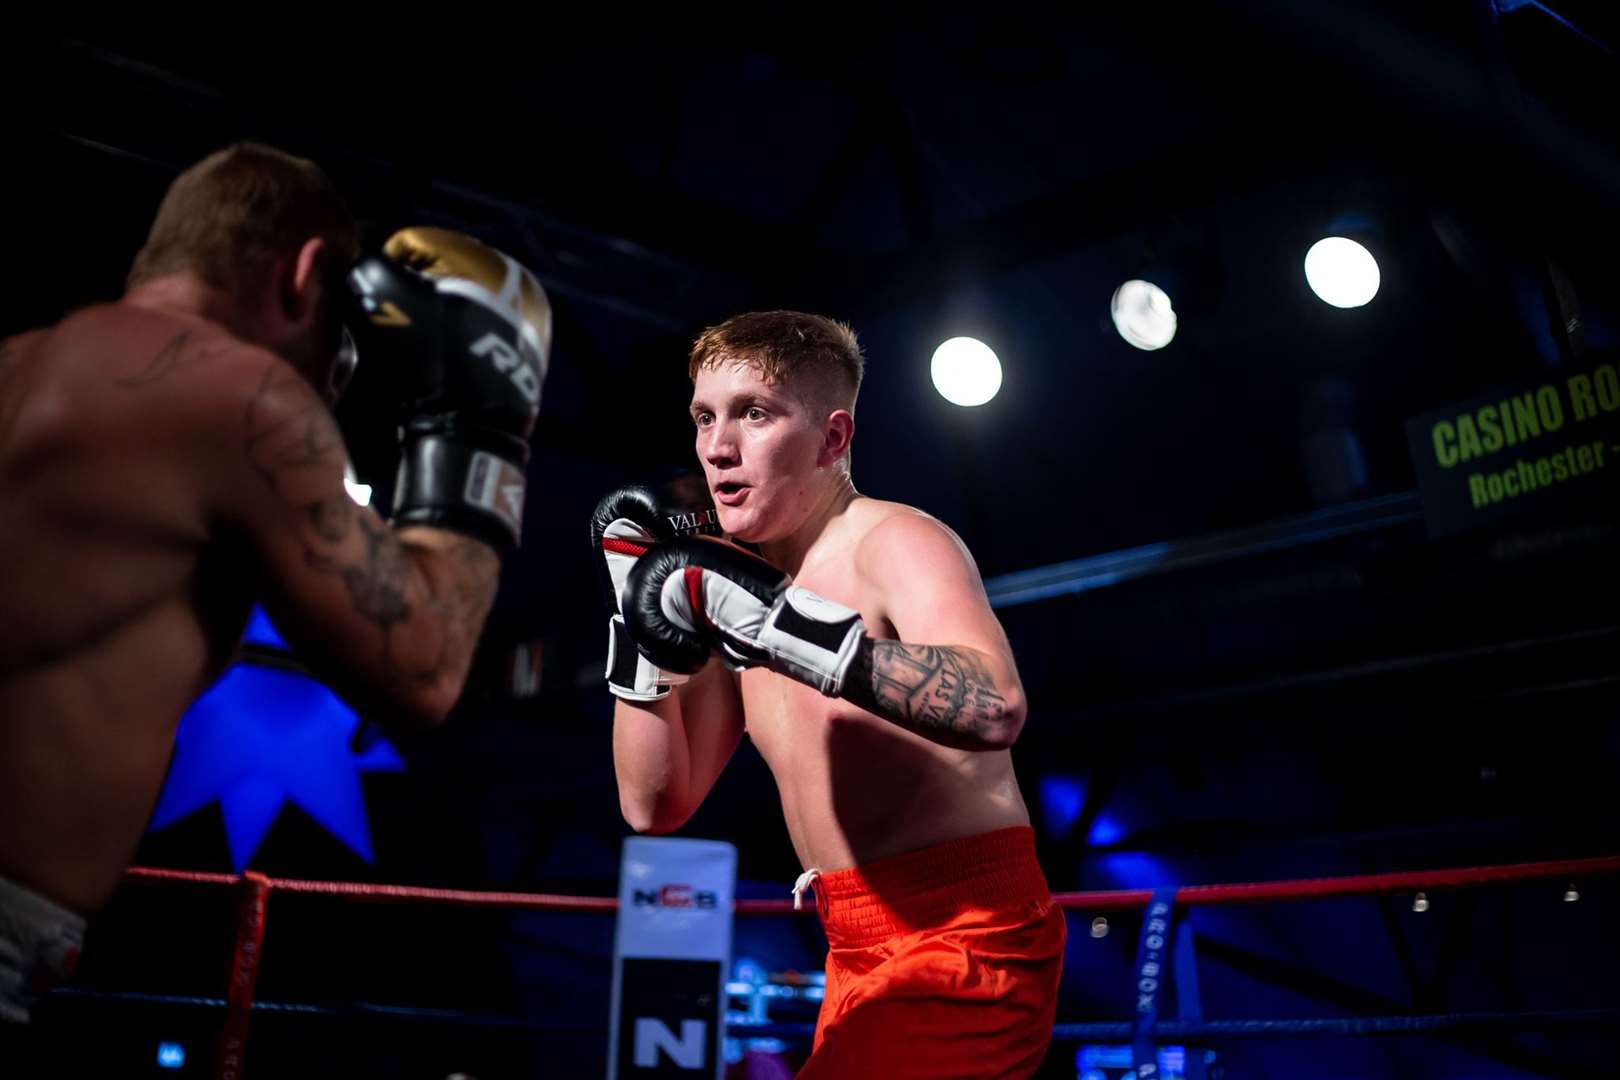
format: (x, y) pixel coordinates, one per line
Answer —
(694, 596)
(625, 547)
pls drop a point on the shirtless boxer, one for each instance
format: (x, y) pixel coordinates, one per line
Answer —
(168, 459)
(862, 658)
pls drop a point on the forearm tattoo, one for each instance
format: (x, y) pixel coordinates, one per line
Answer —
(943, 693)
(294, 445)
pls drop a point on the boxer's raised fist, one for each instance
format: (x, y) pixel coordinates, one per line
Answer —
(462, 332)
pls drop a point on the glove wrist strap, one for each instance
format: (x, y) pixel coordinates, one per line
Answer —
(812, 639)
(449, 480)
(630, 675)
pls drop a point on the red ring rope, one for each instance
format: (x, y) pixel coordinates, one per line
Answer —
(1116, 900)
(252, 915)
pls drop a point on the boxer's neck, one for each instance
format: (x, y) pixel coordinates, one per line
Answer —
(789, 553)
(189, 295)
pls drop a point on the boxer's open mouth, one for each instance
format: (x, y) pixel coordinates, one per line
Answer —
(730, 492)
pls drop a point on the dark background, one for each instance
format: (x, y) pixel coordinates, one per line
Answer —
(1295, 681)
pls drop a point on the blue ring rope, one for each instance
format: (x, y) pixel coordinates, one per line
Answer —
(1102, 1032)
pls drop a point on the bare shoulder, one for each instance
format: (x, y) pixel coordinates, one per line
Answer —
(222, 405)
(214, 385)
(20, 343)
(153, 363)
(919, 578)
(135, 382)
(897, 539)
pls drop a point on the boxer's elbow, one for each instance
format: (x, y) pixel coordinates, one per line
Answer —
(420, 703)
(1004, 731)
(650, 816)
(424, 706)
(433, 704)
(400, 708)
(637, 812)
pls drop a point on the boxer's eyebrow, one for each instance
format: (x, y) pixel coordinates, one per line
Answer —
(739, 402)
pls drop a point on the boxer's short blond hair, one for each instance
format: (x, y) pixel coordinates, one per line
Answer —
(811, 354)
(230, 216)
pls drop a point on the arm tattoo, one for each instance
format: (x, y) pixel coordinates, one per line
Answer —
(296, 450)
(477, 569)
(294, 445)
(942, 693)
(376, 583)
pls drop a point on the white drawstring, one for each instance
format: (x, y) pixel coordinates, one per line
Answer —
(806, 880)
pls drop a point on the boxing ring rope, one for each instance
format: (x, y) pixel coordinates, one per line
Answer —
(256, 889)
(1116, 900)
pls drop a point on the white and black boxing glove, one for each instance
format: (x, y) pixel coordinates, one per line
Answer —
(625, 525)
(463, 332)
(688, 597)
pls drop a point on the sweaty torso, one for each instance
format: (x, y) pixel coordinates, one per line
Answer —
(114, 616)
(855, 787)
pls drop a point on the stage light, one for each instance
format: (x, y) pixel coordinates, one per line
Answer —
(1571, 894)
(1143, 315)
(1062, 798)
(1106, 830)
(1341, 272)
(1099, 927)
(1420, 903)
(171, 1055)
(966, 371)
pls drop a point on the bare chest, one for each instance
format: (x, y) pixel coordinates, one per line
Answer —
(787, 720)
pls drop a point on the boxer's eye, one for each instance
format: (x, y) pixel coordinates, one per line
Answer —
(756, 413)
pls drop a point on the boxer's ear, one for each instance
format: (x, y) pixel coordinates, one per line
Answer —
(300, 279)
(838, 430)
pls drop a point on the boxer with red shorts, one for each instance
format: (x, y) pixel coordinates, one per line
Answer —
(943, 962)
(860, 655)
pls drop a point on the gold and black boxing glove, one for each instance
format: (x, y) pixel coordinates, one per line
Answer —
(463, 332)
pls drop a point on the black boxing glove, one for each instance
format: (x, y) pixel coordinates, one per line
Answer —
(625, 525)
(465, 332)
(690, 596)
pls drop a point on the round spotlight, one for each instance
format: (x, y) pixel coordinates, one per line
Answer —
(1143, 315)
(1099, 927)
(966, 371)
(1571, 894)
(1420, 903)
(1341, 272)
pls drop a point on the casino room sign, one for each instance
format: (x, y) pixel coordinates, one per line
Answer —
(1538, 447)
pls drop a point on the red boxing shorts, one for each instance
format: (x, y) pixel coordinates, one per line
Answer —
(941, 963)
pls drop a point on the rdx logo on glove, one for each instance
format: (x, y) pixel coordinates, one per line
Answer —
(508, 362)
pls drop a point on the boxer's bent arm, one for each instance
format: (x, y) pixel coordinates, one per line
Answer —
(391, 618)
(964, 694)
(949, 694)
(668, 754)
